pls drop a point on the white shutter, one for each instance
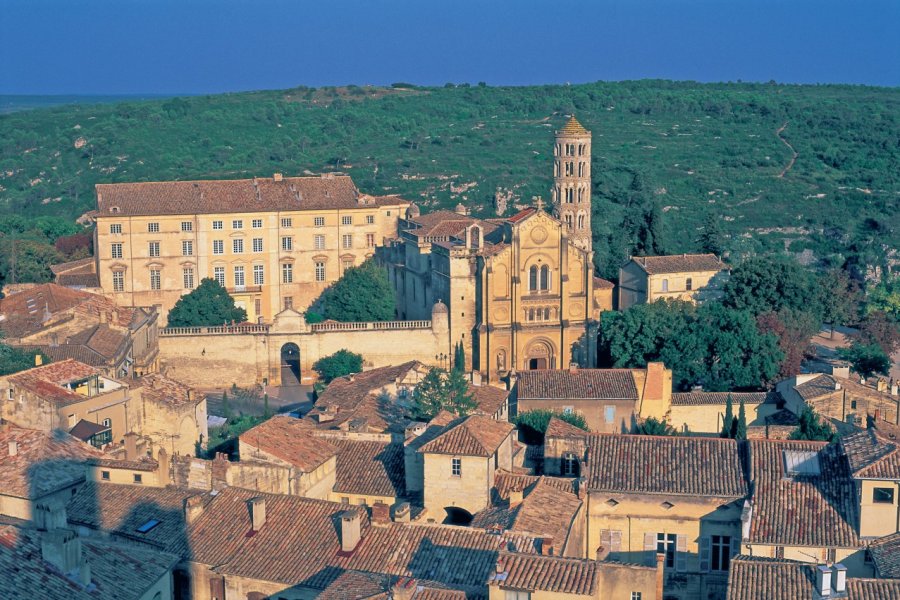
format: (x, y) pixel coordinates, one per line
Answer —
(650, 549)
(681, 553)
(704, 554)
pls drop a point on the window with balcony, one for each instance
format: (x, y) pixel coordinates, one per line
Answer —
(239, 277)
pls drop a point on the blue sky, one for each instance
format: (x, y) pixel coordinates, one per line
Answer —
(206, 46)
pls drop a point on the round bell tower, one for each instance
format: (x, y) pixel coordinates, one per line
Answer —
(571, 192)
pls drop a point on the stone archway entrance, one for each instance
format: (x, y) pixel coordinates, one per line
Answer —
(539, 355)
(457, 516)
(290, 365)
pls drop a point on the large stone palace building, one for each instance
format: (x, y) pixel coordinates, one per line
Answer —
(521, 291)
(274, 243)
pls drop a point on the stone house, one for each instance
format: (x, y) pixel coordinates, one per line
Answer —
(173, 415)
(273, 242)
(839, 397)
(680, 497)
(459, 465)
(702, 412)
(68, 323)
(78, 274)
(690, 277)
(874, 461)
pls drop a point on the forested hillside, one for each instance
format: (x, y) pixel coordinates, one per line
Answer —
(771, 166)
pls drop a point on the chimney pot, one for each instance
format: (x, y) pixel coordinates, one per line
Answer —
(401, 512)
(573, 367)
(13, 448)
(193, 508)
(257, 508)
(381, 514)
(131, 446)
(62, 549)
(839, 580)
(547, 545)
(404, 589)
(823, 580)
(277, 177)
(350, 530)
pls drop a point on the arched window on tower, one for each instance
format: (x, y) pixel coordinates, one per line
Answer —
(580, 195)
(581, 169)
(545, 277)
(569, 221)
(556, 168)
(533, 278)
(570, 195)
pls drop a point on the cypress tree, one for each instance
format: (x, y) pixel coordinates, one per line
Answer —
(740, 431)
(728, 421)
(226, 409)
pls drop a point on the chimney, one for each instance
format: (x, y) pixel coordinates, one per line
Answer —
(193, 508)
(62, 549)
(50, 516)
(476, 378)
(54, 340)
(162, 471)
(13, 448)
(277, 177)
(38, 359)
(881, 385)
(515, 497)
(350, 530)
(404, 589)
(660, 573)
(839, 580)
(602, 553)
(401, 512)
(103, 316)
(257, 507)
(894, 390)
(876, 415)
(131, 446)
(837, 385)
(573, 367)
(547, 545)
(381, 514)
(823, 580)
(500, 565)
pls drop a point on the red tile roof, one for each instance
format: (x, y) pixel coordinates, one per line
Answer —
(885, 553)
(488, 398)
(590, 384)
(812, 510)
(475, 435)
(47, 381)
(679, 263)
(689, 466)
(290, 440)
(158, 388)
(236, 195)
(872, 455)
(603, 284)
(368, 468)
(547, 574)
(573, 127)
(716, 398)
(557, 428)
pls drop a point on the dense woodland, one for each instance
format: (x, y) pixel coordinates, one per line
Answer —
(676, 166)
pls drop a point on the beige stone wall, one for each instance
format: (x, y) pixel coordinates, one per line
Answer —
(470, 491)
(852, 558)
(593, 411)
(499, 593)
(620, 581)
(23, 508)
(637, 287)
(175, 427)
(126, 476)
(878, 518)
(136, 262)
(708, 418)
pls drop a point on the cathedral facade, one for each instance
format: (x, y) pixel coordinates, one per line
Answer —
(520, 292)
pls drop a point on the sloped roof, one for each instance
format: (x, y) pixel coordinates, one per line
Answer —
(679, 263)
(547, 574)
(156, 387)
(47, 381)
(261, 194)
(573, 127)
(43, 463)
(885, 553)
(813, 510)
(690, 466)
(717, 398)
(369, 468)
(488, 398)
(582, 384)
(290, 440)
(603, 284)
(821, 385)
(759, 578)
(505, 482)
(557, 428)
(872, 455)
(475, 435)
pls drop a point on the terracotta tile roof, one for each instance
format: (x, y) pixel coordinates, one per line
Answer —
(557, 428)
(47, 381)
(679, 263)
(44, 461)
(603, 284)
(573, 127)
(78, 280)
(102, 339)
(236, 195)
(488, 398)
(30, 311)
(821, 385)
(61, 352)
(803, 508)
(758, 578)
(716, 398)
(369, 468)
(592, 384)
(158, 388)
(25, 575)
(360, 585)
(505, 482)
(546, 574)
(872, 455)
(475, 435)
(522, 215)
(73, 265)
(642, 464)
(885, 553)
(290, 440)
(433, 428)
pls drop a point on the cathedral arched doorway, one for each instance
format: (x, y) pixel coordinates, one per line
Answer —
(290, 365)
(539, 355)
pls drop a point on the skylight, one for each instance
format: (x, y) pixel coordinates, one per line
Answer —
(801, 462)
(148, 526)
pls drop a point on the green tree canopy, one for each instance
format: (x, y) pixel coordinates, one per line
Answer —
(440, 390)
(811, 427)
(879, 329)
(866, 359)
(207, 305)
(885, 297)
(839, 296)
(363, 293)
(654, 426)
(13, 360)
(768, 284)
(533, 423)
(793, 328)
(339, 364)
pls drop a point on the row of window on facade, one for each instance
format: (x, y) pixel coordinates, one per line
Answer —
(569, 195)
(237, 245)
(688, 284)
(239, 278)
(540, 314)
(286, 222)
(571, 168)
(571, 149)
(580, 220)
(539, 278)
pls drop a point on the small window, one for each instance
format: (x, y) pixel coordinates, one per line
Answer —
(187, 226)
(853, 404)
(218, 246)
(237, 224)
(320, 271)
(665, 285)
(635, 596)
(568, 410)
(370, 240)
(187, 248)
(345, 500)
(219, 275)
(688, 284)
(883, 495)
(116, 250)
(257, 306)
(665, 544)
(609, 414)
(153, 227)
(516, 595)
(218, 225)
(115, 228)
(257, 245)
(257, 223)
(153, 249)
(570, 464)
(370, 219)
(118, 278)
(287, 273)
(347, 241)
(319, 221)
(456, 467)
(155, 279)
(287, 243)
(288, 302)
(286, 222)
(104, 475)
(149, 525)
(720, 552)
(346, 220)
(138, 478)
(319, 242)
(237, 246)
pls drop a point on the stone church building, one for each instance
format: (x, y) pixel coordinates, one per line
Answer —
(520, 291)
